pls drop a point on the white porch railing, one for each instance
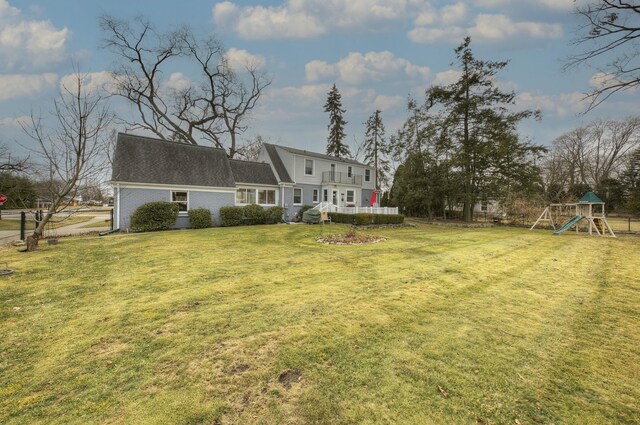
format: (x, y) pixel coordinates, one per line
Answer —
(329, 207)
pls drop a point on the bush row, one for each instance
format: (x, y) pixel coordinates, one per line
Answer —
(363, 219)
(249, 214)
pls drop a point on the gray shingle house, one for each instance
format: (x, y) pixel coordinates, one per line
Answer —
(147, 169)
(309, 178)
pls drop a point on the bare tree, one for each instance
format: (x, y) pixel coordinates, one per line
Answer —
(71, 151)
(7, 163)
(214, 109)
(593, 153)
(610, 32)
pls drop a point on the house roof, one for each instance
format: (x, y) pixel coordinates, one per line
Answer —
(281, 170)
(252, 172)
(146, 160)
(320, 156)
(590, 198)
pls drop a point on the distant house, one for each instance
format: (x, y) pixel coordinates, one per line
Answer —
(147, 169)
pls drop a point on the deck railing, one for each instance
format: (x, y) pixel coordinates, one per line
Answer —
(329, 207)
(342, 178)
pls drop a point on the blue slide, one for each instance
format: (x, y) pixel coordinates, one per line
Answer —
(569, 224)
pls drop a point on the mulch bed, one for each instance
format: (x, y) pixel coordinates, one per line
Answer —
(350, 239)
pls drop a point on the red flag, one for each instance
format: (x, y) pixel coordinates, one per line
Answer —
(373, 199)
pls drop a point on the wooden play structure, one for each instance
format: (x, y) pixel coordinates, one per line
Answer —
(590, 208)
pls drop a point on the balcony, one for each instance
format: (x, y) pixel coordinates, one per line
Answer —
(341, 178)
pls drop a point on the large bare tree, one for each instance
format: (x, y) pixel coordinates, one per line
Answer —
(610, 34)
(214, 109)
(595, 152)
(70, 148)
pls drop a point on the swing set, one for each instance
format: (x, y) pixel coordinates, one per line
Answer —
(589, 208)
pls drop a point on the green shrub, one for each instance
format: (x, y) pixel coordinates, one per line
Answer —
(342, 218)
(255, 214)
(154, 216)
(200, 218)
(388, 218)
(364, 219)
(231, 216)
(274, 215)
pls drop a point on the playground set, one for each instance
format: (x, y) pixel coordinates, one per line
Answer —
(590, 208)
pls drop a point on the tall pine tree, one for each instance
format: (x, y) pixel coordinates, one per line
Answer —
(335, 142)
(375, 148)
(478, 120)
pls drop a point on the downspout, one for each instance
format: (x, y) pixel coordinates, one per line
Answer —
(118, 209)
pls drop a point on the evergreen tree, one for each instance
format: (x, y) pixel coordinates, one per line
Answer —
(375, 148)
(335, 143)
(478, 122)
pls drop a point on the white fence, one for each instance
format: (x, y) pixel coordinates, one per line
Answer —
(329, 207)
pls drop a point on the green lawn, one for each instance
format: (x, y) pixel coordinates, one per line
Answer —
(264, 325)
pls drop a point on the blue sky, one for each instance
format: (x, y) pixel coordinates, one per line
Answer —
(377, 52)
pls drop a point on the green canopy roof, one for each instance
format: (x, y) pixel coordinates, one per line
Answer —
(590, 198)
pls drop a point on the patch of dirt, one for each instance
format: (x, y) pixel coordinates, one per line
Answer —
(288, 377)
(237, 369)
(351, 238)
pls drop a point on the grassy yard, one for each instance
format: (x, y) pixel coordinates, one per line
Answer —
(264, 325)
(14, 224)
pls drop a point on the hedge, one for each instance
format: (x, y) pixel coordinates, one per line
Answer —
(152, 216)
(363, 219)
(274, 215)
(200, 218)
(231, 216)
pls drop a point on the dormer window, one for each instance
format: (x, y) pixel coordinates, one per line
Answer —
(308, 167)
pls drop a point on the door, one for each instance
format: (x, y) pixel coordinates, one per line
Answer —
(335, 198)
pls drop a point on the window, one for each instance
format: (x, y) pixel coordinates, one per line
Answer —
(315, 195)
(297, 196)
(182, 199)
(308, 167)
(367, 175)
(351, 194)
(246, 196)
(266, 197)
(325, 195)
(349, 171)
(484, 206)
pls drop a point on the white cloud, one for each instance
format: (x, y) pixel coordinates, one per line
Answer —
(28, 43)
(357, 68)
(311, 18)
(558, 105)
(177, 82)
(386, 103)
(486, 28)
(550, 4)
(92, 82)
(15, 122)
(13, 86)
(241, 59)
(445, 78)
(600, 80)
(307, 95)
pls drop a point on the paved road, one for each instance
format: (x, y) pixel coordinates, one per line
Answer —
(7, 236)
